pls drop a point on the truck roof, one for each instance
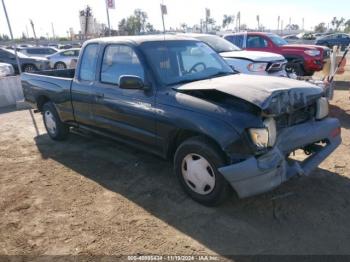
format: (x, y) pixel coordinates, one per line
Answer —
(138, 39)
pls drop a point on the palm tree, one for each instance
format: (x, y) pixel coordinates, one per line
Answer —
(227, 20)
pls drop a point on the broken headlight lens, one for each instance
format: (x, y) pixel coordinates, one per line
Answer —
(322, 108)
(257, 67)
(264, 137)
(260, 137)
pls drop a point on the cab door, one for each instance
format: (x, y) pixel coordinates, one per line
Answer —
(83, 84)
(127, 113)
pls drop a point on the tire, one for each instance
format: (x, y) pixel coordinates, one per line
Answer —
(60, 66)
(200, 149)
(29, 68)
(296, 68)
(55, 128)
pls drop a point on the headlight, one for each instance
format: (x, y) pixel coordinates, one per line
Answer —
(264, 137)
(260, 137)
(257, 67)
(321, 108)
(312, 52)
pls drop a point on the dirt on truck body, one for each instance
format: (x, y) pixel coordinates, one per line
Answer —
(90, 196)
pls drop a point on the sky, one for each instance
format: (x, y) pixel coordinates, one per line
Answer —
(64, 14)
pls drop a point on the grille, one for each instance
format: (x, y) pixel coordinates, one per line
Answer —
(297, 117)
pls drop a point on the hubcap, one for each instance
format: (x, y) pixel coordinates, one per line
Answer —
(198, 174)
(50, 122)
(60, 66)
(29, 69)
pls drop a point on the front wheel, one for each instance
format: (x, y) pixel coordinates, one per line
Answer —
(295, 68)
(196, 165)
(55, 128)
(60, 66)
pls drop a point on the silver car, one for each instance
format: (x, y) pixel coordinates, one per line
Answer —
(6, 70)
(63, 59)
(38, 51)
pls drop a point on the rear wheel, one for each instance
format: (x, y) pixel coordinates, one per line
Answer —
(29, 68)
(196, 165)
(55, 128)
(60, 65)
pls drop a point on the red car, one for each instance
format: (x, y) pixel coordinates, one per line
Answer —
(302, 59)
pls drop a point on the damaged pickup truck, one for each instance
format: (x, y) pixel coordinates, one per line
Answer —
(177, 98)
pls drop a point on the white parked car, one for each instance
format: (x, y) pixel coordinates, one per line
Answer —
(63, 59)
(6, 70)
(246, 62)
(37, 51)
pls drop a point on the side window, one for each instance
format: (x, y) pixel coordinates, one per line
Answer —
(256, 42)
(68, 53)
(120, 60)
(88, 63)
(236, 40)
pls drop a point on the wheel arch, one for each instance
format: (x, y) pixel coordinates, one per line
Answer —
(41, 101)
(181, 135)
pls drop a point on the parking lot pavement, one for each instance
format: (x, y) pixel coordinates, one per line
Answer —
(90, 196)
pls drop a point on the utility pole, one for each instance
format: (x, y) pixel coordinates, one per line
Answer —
(258, 20)
(33, 28)
(282, 26)
(109, 23)
(239, 21)
(27, 31)
(110, 4)
(303, 23)
(164, 11)
(13, 40)
(207, 15)
(53, 31)
(278, 23)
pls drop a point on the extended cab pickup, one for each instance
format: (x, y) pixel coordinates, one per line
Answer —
(177, 98)
(302, 59)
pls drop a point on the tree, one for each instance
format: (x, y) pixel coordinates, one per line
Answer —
(347, 26)
(243, 27)
(337, 23)
(135, 24)
(183, 27)
(292, 27)
(320, 28)
(227, 20)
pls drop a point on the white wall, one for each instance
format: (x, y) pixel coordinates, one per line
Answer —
(10, 91)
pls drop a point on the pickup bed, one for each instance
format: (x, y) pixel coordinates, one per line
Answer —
(177, 98)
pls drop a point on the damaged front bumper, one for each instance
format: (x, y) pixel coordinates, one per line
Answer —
(260, 174)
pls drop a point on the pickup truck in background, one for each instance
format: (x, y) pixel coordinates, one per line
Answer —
(177, 98)
(243, 61)
(303, 60)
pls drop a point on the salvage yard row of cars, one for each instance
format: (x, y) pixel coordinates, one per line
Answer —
(181, 98)
(248, 52)
(38, 58)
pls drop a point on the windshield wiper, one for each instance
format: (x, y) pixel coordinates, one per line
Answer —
(184, 81)
(221, 73)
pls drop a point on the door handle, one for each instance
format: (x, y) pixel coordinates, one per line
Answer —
(100, 95)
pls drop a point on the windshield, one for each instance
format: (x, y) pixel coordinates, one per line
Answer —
(218, 44)
(278, 40)
(184, 61)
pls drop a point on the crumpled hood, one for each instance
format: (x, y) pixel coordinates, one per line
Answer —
(273, 95)
(253, 55)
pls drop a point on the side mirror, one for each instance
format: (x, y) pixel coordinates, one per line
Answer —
(131, 82)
